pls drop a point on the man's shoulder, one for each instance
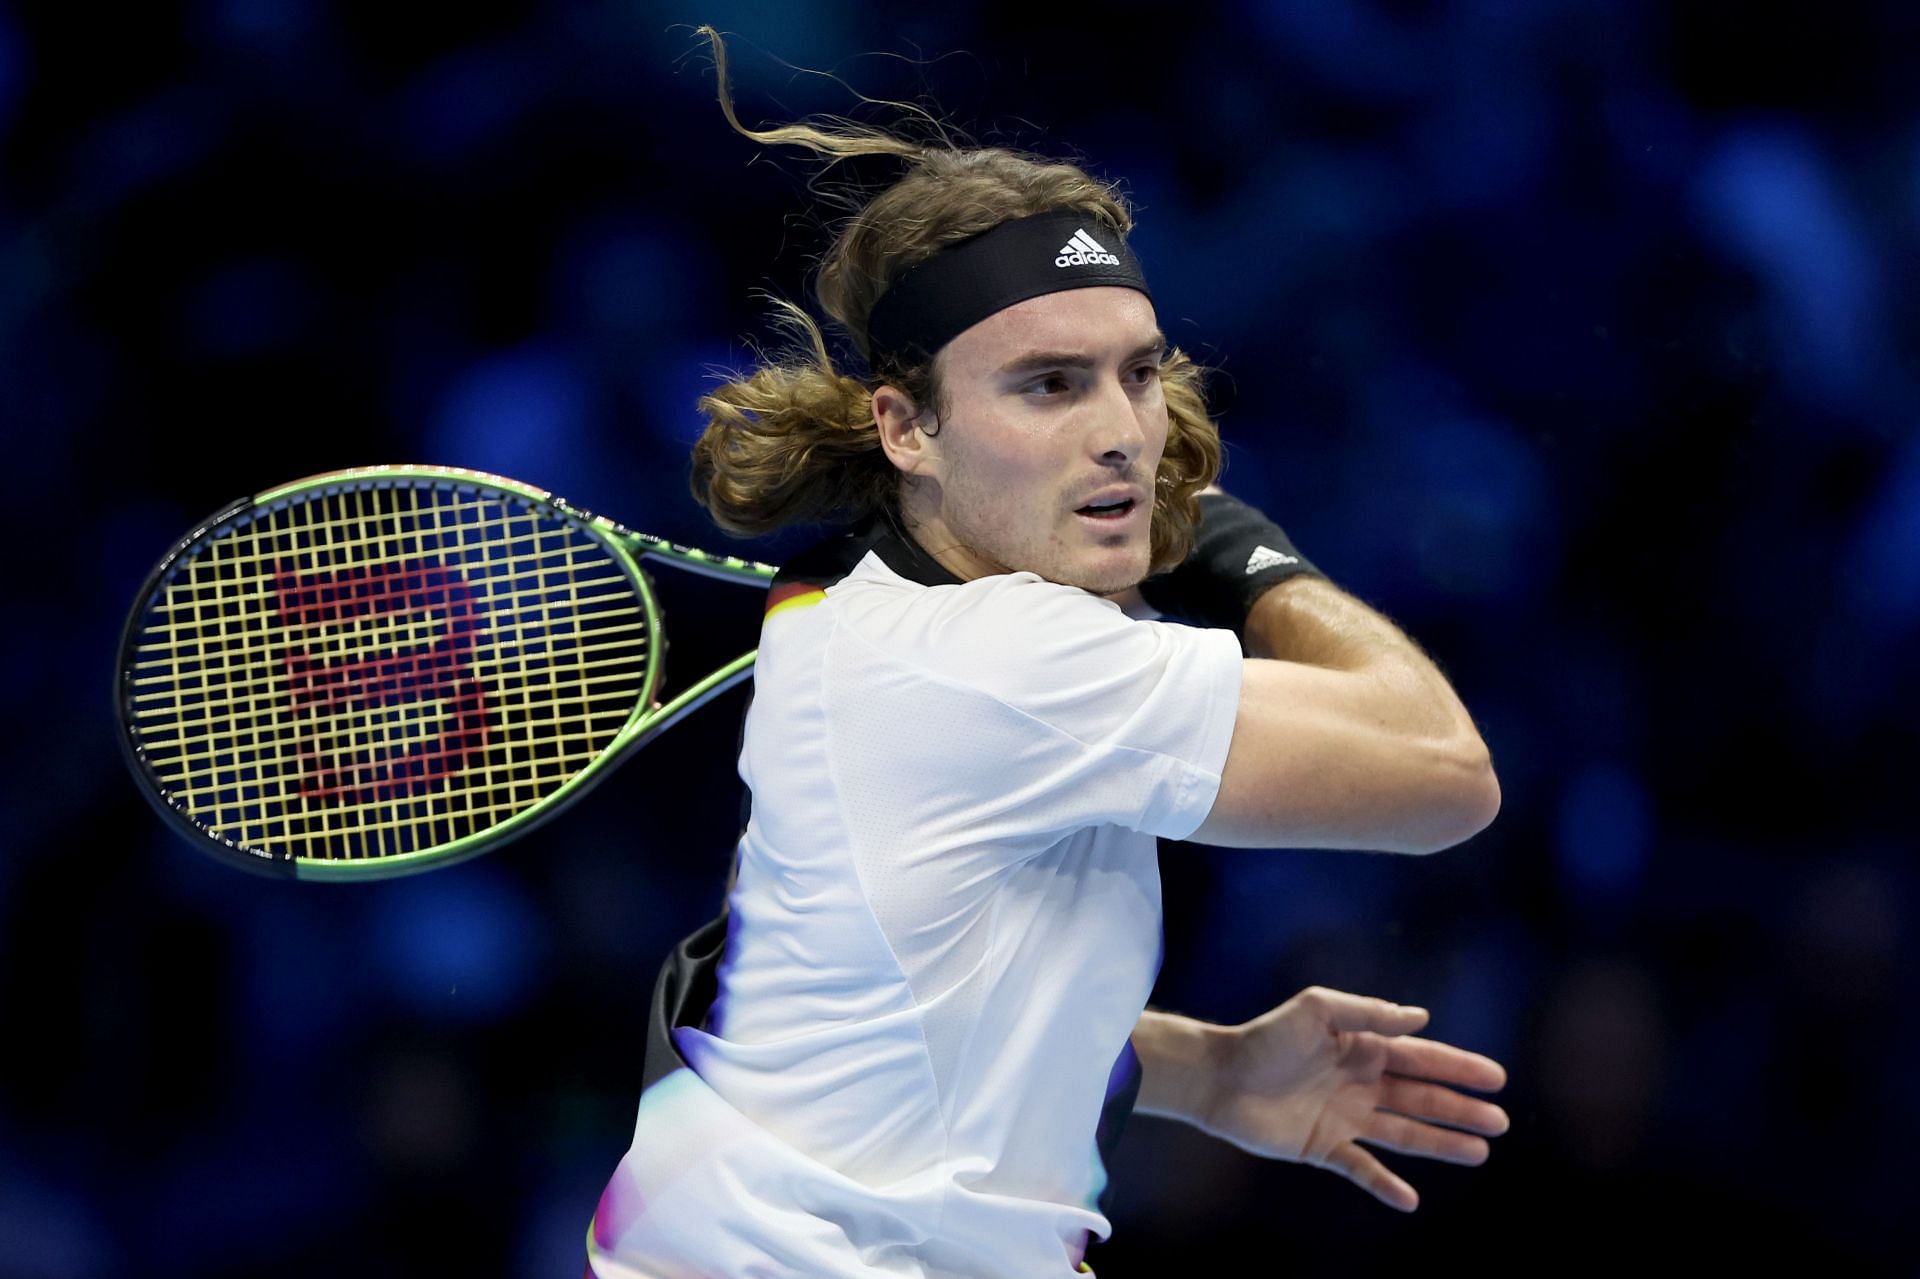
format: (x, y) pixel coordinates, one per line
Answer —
(998, 633)
(1008, 636)
(886, 571)
(999, 601)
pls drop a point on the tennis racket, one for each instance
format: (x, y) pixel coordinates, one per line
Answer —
(385, 670)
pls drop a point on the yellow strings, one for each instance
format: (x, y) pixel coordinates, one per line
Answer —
(401, 602)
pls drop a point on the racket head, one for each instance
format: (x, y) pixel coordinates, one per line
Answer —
(384, 670)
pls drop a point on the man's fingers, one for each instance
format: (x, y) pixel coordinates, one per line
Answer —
(1418, 1099)
(1411, 1137)
(1372, 1176)
(1430, 1059)
(1363, 1012)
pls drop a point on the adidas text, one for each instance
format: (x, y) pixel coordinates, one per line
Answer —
(1084, 250)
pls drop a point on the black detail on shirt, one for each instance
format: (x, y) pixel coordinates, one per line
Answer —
(828, 561)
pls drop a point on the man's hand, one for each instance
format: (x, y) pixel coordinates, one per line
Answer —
(1309, 1080)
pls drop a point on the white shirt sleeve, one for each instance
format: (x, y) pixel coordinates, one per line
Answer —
(1041, 708)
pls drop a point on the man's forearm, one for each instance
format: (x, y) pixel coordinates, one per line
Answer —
(1308, 619)
(1177, 1065)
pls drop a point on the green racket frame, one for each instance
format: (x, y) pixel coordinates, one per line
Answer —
(626, 548)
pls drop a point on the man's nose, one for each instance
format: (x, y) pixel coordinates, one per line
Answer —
(1118, 436)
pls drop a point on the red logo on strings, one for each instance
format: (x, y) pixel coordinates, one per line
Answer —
(326, 692)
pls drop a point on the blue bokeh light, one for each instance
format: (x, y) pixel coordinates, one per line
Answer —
(457, 946)
(1884, 559)
(1772, 201)
(1603, 836)
(250, 307)
(526, 413)
(49, 1229)
(253, 24)
(128, 153)
(1454, 504)
(465, 101)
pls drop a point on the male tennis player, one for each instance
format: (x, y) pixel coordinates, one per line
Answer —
(904, 1047)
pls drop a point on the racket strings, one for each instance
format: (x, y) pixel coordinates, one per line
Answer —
(380, 670)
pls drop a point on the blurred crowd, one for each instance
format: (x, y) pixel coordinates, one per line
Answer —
(1577, 337)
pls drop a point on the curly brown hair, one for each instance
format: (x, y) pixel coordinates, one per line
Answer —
(795, 441)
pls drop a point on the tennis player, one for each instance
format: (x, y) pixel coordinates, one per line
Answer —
(905, 1047)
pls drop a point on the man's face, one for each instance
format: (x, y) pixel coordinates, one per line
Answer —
(1046, 458)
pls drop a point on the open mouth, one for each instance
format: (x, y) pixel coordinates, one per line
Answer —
(1106, 510)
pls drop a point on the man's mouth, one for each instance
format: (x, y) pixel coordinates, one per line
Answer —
(1106, 510)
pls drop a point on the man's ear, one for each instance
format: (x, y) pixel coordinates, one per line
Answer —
(899, 420)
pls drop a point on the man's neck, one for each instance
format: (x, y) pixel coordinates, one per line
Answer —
(901, 551)
(923, 523)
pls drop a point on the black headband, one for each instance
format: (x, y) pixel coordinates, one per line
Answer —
(933, 302)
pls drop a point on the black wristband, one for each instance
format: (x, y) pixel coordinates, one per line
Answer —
(1238, 555)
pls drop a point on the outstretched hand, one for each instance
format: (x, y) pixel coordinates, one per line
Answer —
(1309, 1080)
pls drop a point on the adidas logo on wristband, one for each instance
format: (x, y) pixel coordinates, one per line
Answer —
(1084, 250)
(1267, 557)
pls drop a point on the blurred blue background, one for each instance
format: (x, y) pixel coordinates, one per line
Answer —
(1579, 338)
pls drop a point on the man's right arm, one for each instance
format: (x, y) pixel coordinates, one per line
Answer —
(1346, 736)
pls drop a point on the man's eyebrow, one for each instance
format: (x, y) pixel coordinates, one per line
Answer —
(1076, 359)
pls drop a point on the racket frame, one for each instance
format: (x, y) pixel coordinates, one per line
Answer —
(626, 547)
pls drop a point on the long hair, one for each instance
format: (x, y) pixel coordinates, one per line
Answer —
(795, 441)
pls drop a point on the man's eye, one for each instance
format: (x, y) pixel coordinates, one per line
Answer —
(1147, 373)
(1052, 381)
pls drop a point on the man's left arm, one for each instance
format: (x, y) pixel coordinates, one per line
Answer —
(1308, 1080)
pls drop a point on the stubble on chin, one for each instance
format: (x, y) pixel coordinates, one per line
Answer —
(1125, 582)
(1109, 582)
(1051, 556)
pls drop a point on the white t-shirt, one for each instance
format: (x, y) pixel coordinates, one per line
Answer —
(944, 926)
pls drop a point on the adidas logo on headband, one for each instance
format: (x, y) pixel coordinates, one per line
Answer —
(1084, 250)
(928, 304)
